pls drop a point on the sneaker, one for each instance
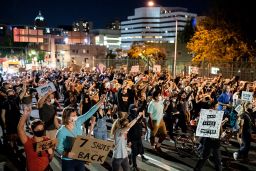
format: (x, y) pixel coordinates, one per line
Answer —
(144, 159)
(235, 155)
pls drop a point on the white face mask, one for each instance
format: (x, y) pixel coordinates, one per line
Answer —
(73, 119)
(52, 101)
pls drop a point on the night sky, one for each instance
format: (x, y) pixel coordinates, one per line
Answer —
(100, 12)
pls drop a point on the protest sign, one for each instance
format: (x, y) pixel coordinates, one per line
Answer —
(247, 96)
(42, 90)
(91, 149)
(157, 68)
(209, 123)
(239, 109)
(45, 145)
(135, 68)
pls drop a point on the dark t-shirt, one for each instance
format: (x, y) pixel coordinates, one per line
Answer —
(12, 115)
(47, 114)
(247, 127)
(135, 132)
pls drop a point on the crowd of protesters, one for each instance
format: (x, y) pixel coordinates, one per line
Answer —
(133, 102)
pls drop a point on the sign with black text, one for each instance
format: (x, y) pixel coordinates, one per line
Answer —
(209, 123)
(91, 149)
(45, 145)
(247, 96)
(43, 90)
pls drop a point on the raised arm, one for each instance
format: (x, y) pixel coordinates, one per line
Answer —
(21, 132)
(81, 119)
(126, 129)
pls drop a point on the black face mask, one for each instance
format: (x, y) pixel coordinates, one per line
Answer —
(39, 133)
(250, 110)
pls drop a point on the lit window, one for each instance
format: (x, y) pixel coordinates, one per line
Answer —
(166, 31)
(126, 28)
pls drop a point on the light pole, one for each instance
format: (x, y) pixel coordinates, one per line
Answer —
(151, 4)
(175, 49)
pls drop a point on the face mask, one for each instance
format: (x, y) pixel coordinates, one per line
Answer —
(52, 101)
(174, 100)
(73, 119)
(250, 110)
(39, 133)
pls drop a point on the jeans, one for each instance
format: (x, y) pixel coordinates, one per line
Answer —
(137, 148)
(209, 146)
(72, 165)
(245, 146)
(100, 135)
(117, 163)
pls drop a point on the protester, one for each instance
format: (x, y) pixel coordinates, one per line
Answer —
(36, 161)
(119, 130)
(244, 134)
(47, 113)
(135, 133)
(72, 127)
(156, 113)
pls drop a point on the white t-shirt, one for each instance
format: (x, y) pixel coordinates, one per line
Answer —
(156, 109)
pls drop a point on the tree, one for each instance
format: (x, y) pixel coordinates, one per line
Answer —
(215, 43)
(149, 54)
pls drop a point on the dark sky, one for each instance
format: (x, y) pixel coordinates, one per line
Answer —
(100, 12)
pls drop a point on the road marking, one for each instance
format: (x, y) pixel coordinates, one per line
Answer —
(160, 164)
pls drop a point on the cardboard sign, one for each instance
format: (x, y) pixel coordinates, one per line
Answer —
(45, 145)
(157, 68)
(239, 109)
(91, 149)
(209, 123)
(43, 90)
(135, 68)
(247, 96)
(193, 70)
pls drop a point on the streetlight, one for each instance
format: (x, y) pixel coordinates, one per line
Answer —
(151, 3)
(175, 48)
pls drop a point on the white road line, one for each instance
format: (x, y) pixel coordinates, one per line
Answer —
(160, 164)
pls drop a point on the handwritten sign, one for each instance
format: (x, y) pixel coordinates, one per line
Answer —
(157, 68)
(91, 149)
(42, 90)
(45, 145)
(247, 96)
(239, 109)
(209, 123)
(135, 68)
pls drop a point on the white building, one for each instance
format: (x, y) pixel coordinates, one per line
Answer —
(107, 37)
(153, 24)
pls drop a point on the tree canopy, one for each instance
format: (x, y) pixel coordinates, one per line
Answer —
(146, 52)
(217, 42)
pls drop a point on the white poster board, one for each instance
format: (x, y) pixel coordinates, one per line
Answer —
(239, 109)
(43, 90)
(209, 123)
(247, 96)
(193, 70)
(135, 68)
(157, 68)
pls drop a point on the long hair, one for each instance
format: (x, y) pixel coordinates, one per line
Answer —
(115, 125)
(66, 114)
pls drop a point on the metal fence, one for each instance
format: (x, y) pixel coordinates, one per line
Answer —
(245, 70)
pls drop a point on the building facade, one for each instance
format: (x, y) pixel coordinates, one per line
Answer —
(107, 37)
(154, 25)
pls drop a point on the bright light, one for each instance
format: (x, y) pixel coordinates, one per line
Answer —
(86, 41)
(151, 3)
(66, 40)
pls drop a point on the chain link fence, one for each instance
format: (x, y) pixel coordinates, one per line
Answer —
(245, 70)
